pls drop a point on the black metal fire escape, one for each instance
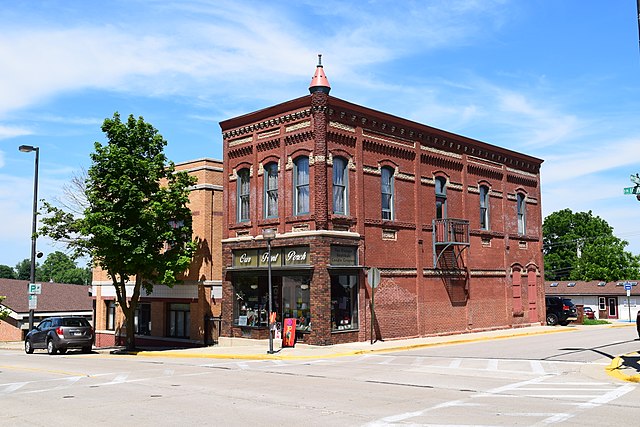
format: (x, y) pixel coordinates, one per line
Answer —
(450, 239)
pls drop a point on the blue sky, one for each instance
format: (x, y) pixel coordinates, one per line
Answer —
(555, 79)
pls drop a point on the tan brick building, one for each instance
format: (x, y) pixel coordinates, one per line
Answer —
(452, 223)
(181, 315)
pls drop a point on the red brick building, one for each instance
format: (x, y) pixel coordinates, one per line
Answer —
(452, 223)
(181, 315)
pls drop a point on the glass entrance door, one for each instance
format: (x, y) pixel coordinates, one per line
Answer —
(613, 308)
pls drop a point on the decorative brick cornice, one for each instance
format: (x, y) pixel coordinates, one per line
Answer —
(389, 139)
(268, 123)
(298, 126)
(342, 126)
(441, 152)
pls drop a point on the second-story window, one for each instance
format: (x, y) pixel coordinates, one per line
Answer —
(301, 185)
(271, 190)
(243, 195)
(441, 197)
(484, 207)
(340, 185)
(522, 213)
(386, 191)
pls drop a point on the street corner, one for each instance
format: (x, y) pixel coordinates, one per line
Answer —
(625, 367)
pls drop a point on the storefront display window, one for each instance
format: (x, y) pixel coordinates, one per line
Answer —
(344, 302)
(295, 301)
(179, 320)
(252, 300)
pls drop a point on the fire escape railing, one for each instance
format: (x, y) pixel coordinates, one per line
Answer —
(450, 233)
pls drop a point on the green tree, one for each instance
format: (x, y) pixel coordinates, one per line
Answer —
(56, 267)
(7, 272)
(23, 270)
(581, 246)
(4, 313)
(136, 226)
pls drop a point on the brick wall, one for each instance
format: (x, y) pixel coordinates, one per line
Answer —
(413, 299)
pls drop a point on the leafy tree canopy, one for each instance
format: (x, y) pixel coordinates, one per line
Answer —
(7, 272)
(137, 225)
(4, 313)
(581, 246)
(61, 268)
(23, 270)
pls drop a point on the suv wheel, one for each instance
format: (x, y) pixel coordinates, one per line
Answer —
(51, 347)
(28, 347)
(86, 349)
(552, 319)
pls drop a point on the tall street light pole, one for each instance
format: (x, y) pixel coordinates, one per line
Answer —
(269, 234)
(32, 277)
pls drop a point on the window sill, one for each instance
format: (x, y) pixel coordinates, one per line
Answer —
(343, 331)
(240, 225)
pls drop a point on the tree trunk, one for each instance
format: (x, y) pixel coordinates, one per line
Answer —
(131, 330)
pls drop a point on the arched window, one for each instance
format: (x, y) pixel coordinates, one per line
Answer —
(340, 186)
(301, 185)
(386, 191)
(441, 197)
(522, 213)
(243, 195)
(271, 190)
(484, 207)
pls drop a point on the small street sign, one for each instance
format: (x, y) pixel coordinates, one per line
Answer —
(627, 286)
(373, 277)
(635, 179)
(33, 302)
(35, 288)
(629, 190)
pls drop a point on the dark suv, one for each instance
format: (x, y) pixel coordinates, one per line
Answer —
(59, 334)
(560, 311)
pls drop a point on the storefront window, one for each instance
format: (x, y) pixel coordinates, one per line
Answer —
(252, 301)
(344, 302)
(295, 301)
(179, 320)
(111, 316)
(142, 319)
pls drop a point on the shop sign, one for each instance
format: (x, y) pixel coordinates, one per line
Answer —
(296, 255)
(343, 255)
(246, 258)
(276, 257)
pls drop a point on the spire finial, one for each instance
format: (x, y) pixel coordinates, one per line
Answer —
(319, 82)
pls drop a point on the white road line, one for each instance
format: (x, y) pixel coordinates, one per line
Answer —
(608, 397)
(492, 365)
(388, 359)
(563, 389)
(242, 365)
(13, 387)
(536, 367)
(455, 363)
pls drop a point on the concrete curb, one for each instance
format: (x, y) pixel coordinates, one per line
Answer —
(615, 370)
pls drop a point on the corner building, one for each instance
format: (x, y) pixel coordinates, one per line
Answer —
(453, 225)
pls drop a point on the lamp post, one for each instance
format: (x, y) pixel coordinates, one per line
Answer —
(269, 234)
(32, 277)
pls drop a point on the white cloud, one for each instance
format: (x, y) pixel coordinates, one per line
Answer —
(13, 131)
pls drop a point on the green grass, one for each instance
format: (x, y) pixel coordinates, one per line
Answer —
(594, 322)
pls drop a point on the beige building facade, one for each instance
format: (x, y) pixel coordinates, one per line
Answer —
(184, 315)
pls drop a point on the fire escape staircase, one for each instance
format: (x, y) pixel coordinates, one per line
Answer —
(450, 239)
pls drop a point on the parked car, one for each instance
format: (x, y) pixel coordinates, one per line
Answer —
(560, 311)
(588, 313)
(57, 334)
